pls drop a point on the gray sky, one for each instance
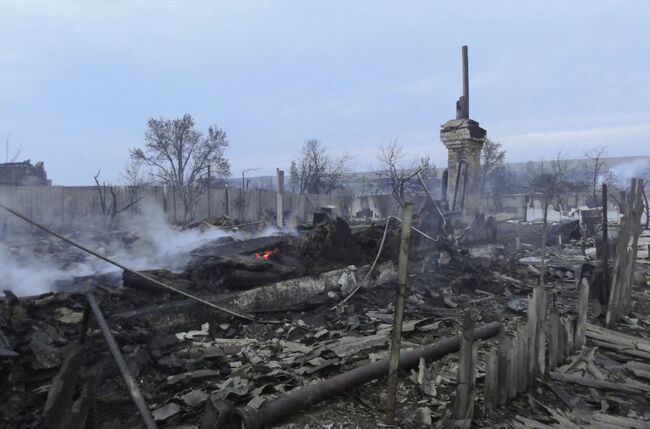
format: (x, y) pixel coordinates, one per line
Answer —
(79, 79)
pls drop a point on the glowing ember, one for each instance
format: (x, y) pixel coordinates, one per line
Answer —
(264, 255)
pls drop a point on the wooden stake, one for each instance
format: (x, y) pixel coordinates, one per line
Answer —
(626, 249)
(513, 365)
(635, 226)
(538, 348)
(561, 343)
(465, 370)
(583, 305)
(539, 298)
(532, 339)
(402, 270)
(553, 339)
(491, 380)
(517, 243)
(522, 364)
(502, 385)
(541, 334)
(569, 330)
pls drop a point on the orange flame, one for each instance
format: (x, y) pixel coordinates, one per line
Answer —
(264, 255)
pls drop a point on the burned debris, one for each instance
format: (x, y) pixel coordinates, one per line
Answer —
(139, 355)
(435, 314)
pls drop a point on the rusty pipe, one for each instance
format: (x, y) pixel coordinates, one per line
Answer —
(277, 410)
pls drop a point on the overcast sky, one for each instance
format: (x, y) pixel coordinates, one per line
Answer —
(79, 79)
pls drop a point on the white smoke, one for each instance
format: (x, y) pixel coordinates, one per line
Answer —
(639, 168)
(151, 243)
(31, 275)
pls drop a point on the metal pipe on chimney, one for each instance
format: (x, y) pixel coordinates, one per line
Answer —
(465, 84)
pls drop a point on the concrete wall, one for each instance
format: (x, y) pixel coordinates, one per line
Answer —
(71, 208)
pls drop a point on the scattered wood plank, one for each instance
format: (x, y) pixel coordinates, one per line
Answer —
(598, 384)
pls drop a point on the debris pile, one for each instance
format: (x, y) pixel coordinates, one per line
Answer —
(197, 367)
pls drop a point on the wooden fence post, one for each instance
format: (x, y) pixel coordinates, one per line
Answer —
(399, 314)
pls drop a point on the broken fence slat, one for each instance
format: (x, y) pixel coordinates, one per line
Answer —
(583, 306)
(553, 339)
(540, 297)
(522, 364)
(512, 377)
(502, 382)
(465, 370)
(589, 382)
(491, 380)
(532, 335)
(569, 330)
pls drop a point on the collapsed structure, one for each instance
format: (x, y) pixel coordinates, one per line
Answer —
(23, 174)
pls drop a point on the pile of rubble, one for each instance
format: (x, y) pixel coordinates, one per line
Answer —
(194, 365)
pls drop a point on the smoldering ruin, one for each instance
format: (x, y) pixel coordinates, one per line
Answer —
(441, 302)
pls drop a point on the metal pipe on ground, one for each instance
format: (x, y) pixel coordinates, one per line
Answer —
(134, 390)
(277, 410)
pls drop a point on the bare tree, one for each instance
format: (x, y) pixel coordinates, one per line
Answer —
(133, 175)
(294, 177)
(597, 157)
(492, 157)
(108, 200)
(396, 176)
(560, 166)
(318, 172)
(179, 155)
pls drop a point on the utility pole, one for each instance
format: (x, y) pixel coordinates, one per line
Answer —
(280, 199)
(209, 197)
